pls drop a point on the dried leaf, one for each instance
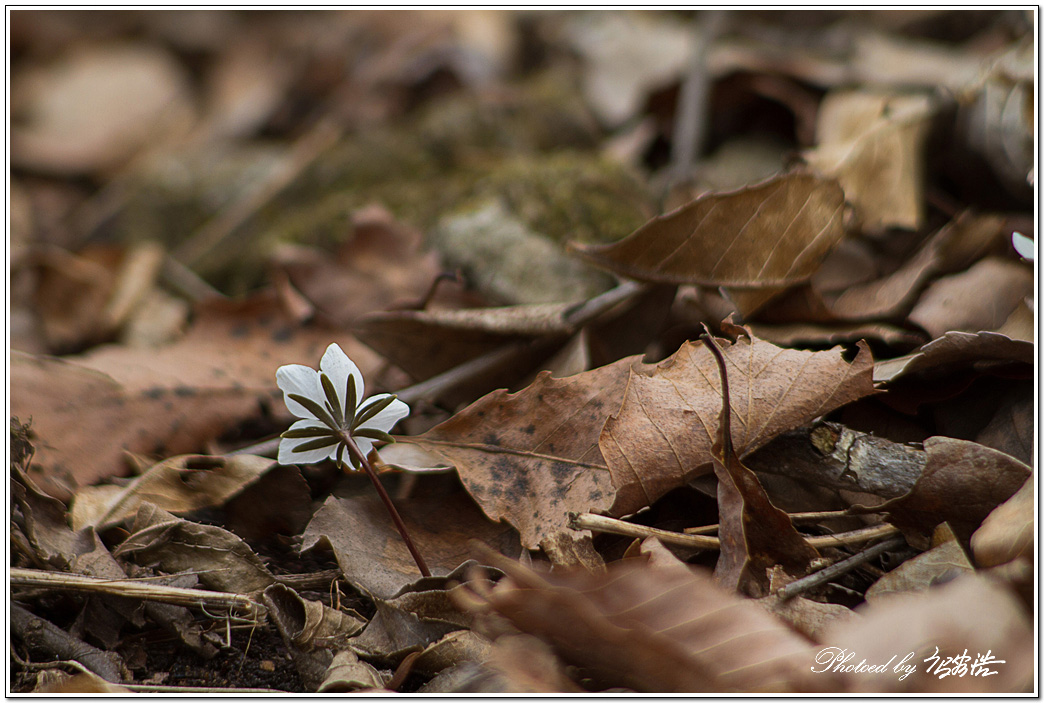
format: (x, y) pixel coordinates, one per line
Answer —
(961, 484)
(223, 561)
(768, 235)
(348, 673)
(393, 633)
(531, 457)
(382, 263)
(941, 563)
(43, 521)
(872, 143)
(956, 351)
(97, 106)
(812, 335)
(1008, 532)
(529, 665)
(1012, 427)
(991, 623)
(981, 298)
(810, 618)
(662, 435)
(371, 552)
(427, 342)
(453, 649)
(170, 400)
(654, 625)
(755, 535)
(180, 484)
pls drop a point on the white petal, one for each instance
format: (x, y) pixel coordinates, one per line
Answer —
(336, 364)
(300, 380)
(386, 419)
(1023, 245)
(287, 455)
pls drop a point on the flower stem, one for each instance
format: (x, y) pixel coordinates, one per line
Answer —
(355, 452)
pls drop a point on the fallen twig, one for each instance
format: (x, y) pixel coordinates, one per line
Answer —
(139, 589)
(834, 570)
(602, 523)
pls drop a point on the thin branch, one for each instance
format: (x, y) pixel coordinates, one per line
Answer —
(138, 589)
(834, 570)
(602, 523)
(794, 517)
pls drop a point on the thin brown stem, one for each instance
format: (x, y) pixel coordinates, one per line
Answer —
(356, 453)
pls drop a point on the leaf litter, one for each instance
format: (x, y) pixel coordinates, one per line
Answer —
(449, 202)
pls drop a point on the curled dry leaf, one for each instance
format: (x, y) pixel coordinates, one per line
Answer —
(872, 143)
(453, 649)
(991, 622)
(1008, 532)
(956, 351)
(393, 633)
(533, 456)
(962, 483)
(662, 435)
(223, 561)
(654, 624)
(180, 484)
(314, 633)
(953, 247)
(768, 235)
(755, 535)
(348, 673)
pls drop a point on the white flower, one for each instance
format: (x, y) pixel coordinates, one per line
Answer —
(327, 403)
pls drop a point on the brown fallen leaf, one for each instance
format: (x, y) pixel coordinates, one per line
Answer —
(981, 298)
(991, 625)
(1008, 532)
(812, 335)
(313, 632)
(809, 617)
(1011, 429)
(662, 435)
(394, 633)
(382, 263)
(97, 106)
(531, 457)
(943, 562)
(872, 143)
(772, 234)
(655, 625)
(961, 484)
(427, 342)
(180, 484)
(755, 535)
(957, 351)
(348, 673)
(371, 553)
(170, 400)
(223, 561)
(529, 665)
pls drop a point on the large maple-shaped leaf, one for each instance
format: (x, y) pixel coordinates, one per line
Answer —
(772, 234)
(662, 436)
(531, 457)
